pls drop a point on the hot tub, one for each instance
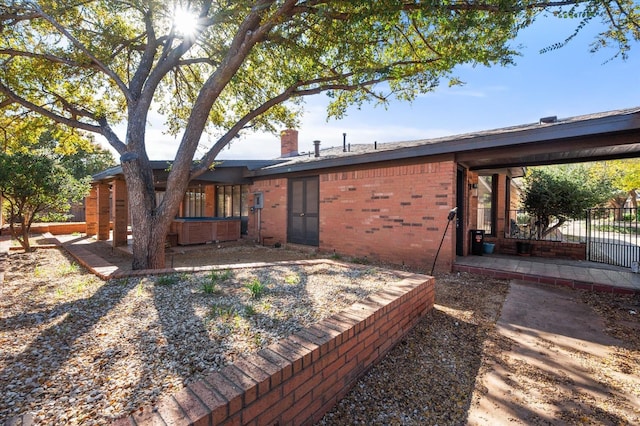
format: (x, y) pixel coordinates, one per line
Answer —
(200, 230)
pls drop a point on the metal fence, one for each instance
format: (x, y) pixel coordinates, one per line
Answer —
(613, 236)
(524, 227)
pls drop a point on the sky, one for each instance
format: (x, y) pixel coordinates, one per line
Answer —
(567, 82)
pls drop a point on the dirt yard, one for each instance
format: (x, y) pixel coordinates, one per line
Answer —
(431, 377)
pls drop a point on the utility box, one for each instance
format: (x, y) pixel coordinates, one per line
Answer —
(477, 241)
(258, 200)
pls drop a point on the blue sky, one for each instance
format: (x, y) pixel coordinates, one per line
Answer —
(566, 82)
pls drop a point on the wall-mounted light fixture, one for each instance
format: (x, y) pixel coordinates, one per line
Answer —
(473, 187)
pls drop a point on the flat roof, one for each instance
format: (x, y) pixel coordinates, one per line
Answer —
(220, 170)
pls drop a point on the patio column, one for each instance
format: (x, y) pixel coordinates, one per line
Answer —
(103, 211)
(91, 215)
(120, 212)
(502, 224)
(209, 200)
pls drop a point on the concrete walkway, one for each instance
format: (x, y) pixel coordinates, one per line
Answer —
(548, 332)
(575, 274)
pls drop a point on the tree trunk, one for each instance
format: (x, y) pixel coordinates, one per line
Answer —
(148, 242)
(22, 237)
(549, 229)
(149, 223)
(149, 229)
(25, 227)
(634, 198)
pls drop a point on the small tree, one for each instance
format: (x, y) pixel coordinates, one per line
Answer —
(33, 184)
(553, 195)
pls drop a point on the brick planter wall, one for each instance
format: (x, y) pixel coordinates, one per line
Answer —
(298, 379)
(60, 228)
(548, 249)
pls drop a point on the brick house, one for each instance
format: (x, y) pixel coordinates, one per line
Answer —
(387, 202)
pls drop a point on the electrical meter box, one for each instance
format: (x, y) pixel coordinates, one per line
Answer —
(258, 200)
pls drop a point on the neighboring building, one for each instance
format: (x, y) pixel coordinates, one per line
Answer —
(386, 202)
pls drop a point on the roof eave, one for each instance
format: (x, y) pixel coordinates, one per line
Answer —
(619, 123)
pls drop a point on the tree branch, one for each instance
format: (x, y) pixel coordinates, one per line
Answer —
(146, 63)
(101, 66)
(324, 84)
(311, 7)
(46, 57)
(47, 113)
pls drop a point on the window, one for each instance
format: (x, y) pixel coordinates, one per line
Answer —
(194, 202)
(486, 203)
(231, 200)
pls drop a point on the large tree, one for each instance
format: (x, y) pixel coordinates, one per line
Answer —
(242, 64)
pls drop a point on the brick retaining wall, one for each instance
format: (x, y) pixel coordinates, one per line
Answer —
(548, 249)
(298, 379)
(58, 228)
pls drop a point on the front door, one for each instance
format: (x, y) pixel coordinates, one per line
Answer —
(303, 207)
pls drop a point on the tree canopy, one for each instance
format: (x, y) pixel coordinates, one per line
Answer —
(80, 160)
(229, 66)
(624, 176)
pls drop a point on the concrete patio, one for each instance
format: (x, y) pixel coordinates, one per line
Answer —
(575, 274)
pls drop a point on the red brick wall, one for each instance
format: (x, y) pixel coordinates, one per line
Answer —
(394, 214)
(298, 379)
(104, 221)
(270, 223)
(120, 212)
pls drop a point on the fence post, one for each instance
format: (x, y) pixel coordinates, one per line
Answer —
(587, 221)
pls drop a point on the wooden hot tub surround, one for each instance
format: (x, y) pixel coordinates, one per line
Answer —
(201, 230)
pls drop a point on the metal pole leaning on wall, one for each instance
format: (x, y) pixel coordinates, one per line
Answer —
(450, 217)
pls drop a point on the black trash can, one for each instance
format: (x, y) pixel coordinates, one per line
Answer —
(477, 240)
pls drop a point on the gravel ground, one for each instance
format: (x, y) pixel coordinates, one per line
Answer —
(75, 350)
(429, 378)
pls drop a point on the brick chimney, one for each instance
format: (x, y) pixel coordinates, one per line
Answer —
(288, 143)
